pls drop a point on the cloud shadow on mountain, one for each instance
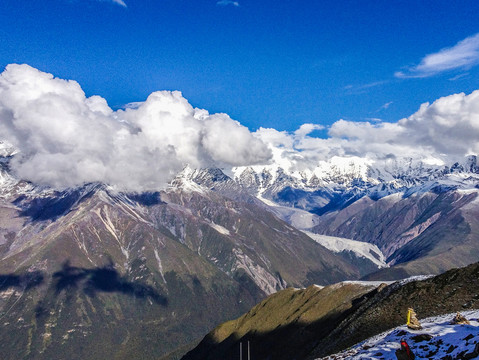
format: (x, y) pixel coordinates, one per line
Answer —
(147, 198)
(103, 279)
(24, 281)
(50, 207)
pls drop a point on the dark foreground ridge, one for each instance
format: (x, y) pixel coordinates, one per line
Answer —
(316, 322)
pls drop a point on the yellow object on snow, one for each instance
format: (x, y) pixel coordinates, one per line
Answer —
(412, 321)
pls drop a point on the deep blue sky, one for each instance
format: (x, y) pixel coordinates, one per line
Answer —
(266, 63)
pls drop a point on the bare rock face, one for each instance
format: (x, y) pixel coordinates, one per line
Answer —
(426, 233)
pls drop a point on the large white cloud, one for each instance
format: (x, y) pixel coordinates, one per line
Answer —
(67, 139)
(439, 133)
(449, 126)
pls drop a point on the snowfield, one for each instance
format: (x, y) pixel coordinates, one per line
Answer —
(447, 341)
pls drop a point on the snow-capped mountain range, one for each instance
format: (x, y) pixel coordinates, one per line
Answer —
(398, 205)
(357, 175)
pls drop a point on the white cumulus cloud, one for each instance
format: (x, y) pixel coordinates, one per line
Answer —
(449, 126)
(439, 133)
(67, 139)
(463, 55)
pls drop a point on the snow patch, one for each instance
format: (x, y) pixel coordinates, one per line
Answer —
(113, 231)
(258, 274)
(368, 283)
(160, 267)
(267, 201)
(300, 219)
(184, 181)
(220, 229)
(415, 278)
(107, 221)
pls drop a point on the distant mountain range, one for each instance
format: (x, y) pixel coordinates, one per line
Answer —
(421, 217)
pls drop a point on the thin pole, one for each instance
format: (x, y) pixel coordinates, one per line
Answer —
(241, 351)
(248, 351)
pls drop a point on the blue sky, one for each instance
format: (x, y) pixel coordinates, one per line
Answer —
(275, 64)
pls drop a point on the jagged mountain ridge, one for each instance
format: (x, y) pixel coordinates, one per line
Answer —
(335, 184)
(421, 217)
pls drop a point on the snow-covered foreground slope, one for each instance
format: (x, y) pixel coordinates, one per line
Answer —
(447, 339)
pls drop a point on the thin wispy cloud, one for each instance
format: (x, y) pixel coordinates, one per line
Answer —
(460, 76)
(227, 2)
(385, 106)
(119, 2)
(463, 55)
(359, 89)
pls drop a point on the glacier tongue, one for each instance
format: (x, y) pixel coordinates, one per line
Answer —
(300, 219)
(360, 248)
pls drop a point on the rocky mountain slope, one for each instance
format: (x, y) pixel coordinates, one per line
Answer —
(92, 272)
(316, 322)
(419, 234)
